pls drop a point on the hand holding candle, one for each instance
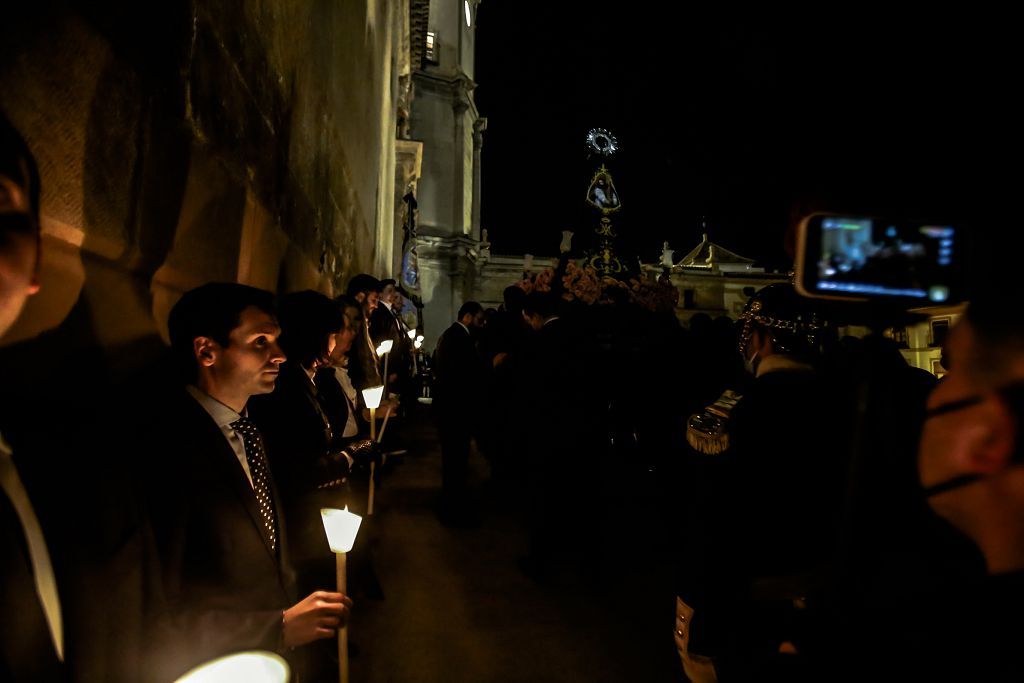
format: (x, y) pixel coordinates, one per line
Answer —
(372, 398)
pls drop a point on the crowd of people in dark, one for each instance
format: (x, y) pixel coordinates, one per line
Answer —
(783, 462)
(833, 512)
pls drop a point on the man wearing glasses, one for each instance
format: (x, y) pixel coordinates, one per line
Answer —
(971, 465)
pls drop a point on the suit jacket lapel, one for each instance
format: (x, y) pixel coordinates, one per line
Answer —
(235, 477)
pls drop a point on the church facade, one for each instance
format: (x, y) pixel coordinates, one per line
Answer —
(449, 243)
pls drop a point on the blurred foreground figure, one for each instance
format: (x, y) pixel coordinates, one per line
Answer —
(971, 464)
(32, 638)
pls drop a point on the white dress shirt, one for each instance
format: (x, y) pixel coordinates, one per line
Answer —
(224, 417)
(351, 426)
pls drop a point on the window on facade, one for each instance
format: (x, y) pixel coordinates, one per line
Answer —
(431, 53)
(899, 335)
(940, 330)
(688, 299)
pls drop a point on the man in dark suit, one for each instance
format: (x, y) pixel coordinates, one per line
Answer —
(32, 639)
(216, 517)
(461, 375)
(364, 367)
(560, 444)
(386, 323)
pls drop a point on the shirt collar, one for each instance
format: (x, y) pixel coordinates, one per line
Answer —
(386, 305)
(221, 414)
(462, 326)
(550, 320)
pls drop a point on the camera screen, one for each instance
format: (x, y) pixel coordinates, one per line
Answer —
(872, 257)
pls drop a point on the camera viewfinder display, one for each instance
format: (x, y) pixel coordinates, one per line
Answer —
(869, 257)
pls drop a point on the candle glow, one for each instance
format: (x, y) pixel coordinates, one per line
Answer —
(254, 666)
(372, 396)
(341, 527)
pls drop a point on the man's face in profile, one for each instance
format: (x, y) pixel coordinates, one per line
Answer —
(250, 362)
(969, 431)
(19, 250)
(947, 439)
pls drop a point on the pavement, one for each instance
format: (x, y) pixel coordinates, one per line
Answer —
(457, 608)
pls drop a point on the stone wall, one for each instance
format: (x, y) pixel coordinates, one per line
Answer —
(183, 142)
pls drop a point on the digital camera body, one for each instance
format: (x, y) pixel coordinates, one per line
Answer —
(910, 264)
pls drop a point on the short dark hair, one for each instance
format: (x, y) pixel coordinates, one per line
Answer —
(513, 298)
(345, 304)
(999, 333)
(211, 310)
(385, 283)
(543, 304)
(307, 319)
(362, 283)
(17, 162)
(469, 308)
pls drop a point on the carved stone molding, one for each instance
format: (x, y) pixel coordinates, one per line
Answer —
(457, 86)
(452, 255)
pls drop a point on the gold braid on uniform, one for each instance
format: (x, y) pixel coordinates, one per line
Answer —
(754, 316)
(708, 431)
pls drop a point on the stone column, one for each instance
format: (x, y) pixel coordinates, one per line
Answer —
(447, 280)
(479, 126)
(459, 107)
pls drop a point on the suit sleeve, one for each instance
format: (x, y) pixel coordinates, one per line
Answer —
(300, 459)
(183, 634)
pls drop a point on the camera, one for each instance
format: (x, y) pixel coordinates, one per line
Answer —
(906, 263)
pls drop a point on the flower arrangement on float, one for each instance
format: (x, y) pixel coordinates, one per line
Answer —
(583, 284)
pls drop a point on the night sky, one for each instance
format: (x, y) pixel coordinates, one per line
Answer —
(733, 119)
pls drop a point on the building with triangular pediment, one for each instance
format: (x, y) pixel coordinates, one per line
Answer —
(712, 279)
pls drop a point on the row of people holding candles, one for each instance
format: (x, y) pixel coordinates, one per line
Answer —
(179, 523)
(312, 424)
(299, 442)
(318, 438)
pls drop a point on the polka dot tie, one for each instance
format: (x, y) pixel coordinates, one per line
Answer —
(257, 458)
